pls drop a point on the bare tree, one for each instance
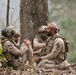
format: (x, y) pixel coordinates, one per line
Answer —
(33, 13)
(7, 15)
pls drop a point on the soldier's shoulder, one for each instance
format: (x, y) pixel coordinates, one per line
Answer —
(8, 43)
(59, 40)
(23, 46)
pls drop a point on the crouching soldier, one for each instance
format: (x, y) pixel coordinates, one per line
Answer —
(15, 55)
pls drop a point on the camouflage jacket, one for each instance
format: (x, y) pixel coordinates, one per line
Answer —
(14, 55)
(55, 49)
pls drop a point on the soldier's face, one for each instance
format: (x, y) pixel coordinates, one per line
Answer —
(49, 31)
(16, 38)
(49, 34)
(43, 36)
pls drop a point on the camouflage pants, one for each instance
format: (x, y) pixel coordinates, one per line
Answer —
(26, 66)
(64, 63)
(46, 64)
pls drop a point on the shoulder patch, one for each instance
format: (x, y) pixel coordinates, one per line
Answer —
(57, 46)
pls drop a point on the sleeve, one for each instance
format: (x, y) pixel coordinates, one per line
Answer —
(30, 48)
(30, 55)
(14, 50)
(38, 51)
(55, 51)
(37, 44)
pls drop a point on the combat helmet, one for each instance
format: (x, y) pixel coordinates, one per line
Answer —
(53, 26)
(42, 29)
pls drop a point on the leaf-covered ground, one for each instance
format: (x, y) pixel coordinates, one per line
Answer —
(70, 70)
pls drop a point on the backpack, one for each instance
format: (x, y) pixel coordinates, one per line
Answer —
(66, 43)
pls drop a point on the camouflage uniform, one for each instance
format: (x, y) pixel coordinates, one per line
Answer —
(38, 42)
(55, 54)
(17, 56)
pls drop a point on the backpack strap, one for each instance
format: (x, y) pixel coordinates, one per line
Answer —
(14, 43)
(3, 41)
(59, 37)
(44, 48)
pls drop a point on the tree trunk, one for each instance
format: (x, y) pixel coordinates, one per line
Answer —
(7, 15)
(33, 14)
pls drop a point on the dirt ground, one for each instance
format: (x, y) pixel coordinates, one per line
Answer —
(70, 70)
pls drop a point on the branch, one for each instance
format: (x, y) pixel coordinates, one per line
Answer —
(7, 16)
(15, 21)
(2, 7)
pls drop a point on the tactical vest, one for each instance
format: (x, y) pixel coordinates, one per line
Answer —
(47, 49)
(39, 40)
(9, 56)
(49, 46)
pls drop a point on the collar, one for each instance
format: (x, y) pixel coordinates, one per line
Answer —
(55, 36)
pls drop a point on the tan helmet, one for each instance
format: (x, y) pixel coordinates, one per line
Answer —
(17, 33)
(10, 30)
(42, 29)
(54, 26)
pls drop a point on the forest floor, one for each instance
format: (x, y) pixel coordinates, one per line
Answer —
(70, 70)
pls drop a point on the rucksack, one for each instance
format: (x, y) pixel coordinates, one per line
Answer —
(66, 43)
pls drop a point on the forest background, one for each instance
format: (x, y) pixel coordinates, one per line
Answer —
(62, 12)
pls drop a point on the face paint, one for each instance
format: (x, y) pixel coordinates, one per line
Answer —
(43, 36)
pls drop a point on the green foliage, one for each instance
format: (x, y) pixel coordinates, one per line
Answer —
(72, 56)
(0, 49)
(2, 58)
(68, 30)
(68, 24)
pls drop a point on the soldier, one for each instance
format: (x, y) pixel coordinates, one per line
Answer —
(15, 55)
(40, 40)
(56, 48)
(16, 36)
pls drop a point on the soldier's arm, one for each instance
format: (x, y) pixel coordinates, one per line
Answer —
(38, 51)
(30, 48)
(37, 44)
(30, 55)
(14, 50)
(55, 51)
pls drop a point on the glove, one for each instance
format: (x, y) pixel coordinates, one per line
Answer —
(37, 59)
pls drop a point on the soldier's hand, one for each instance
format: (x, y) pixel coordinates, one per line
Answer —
(34, 53)
(27, 42)
(37, 59)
